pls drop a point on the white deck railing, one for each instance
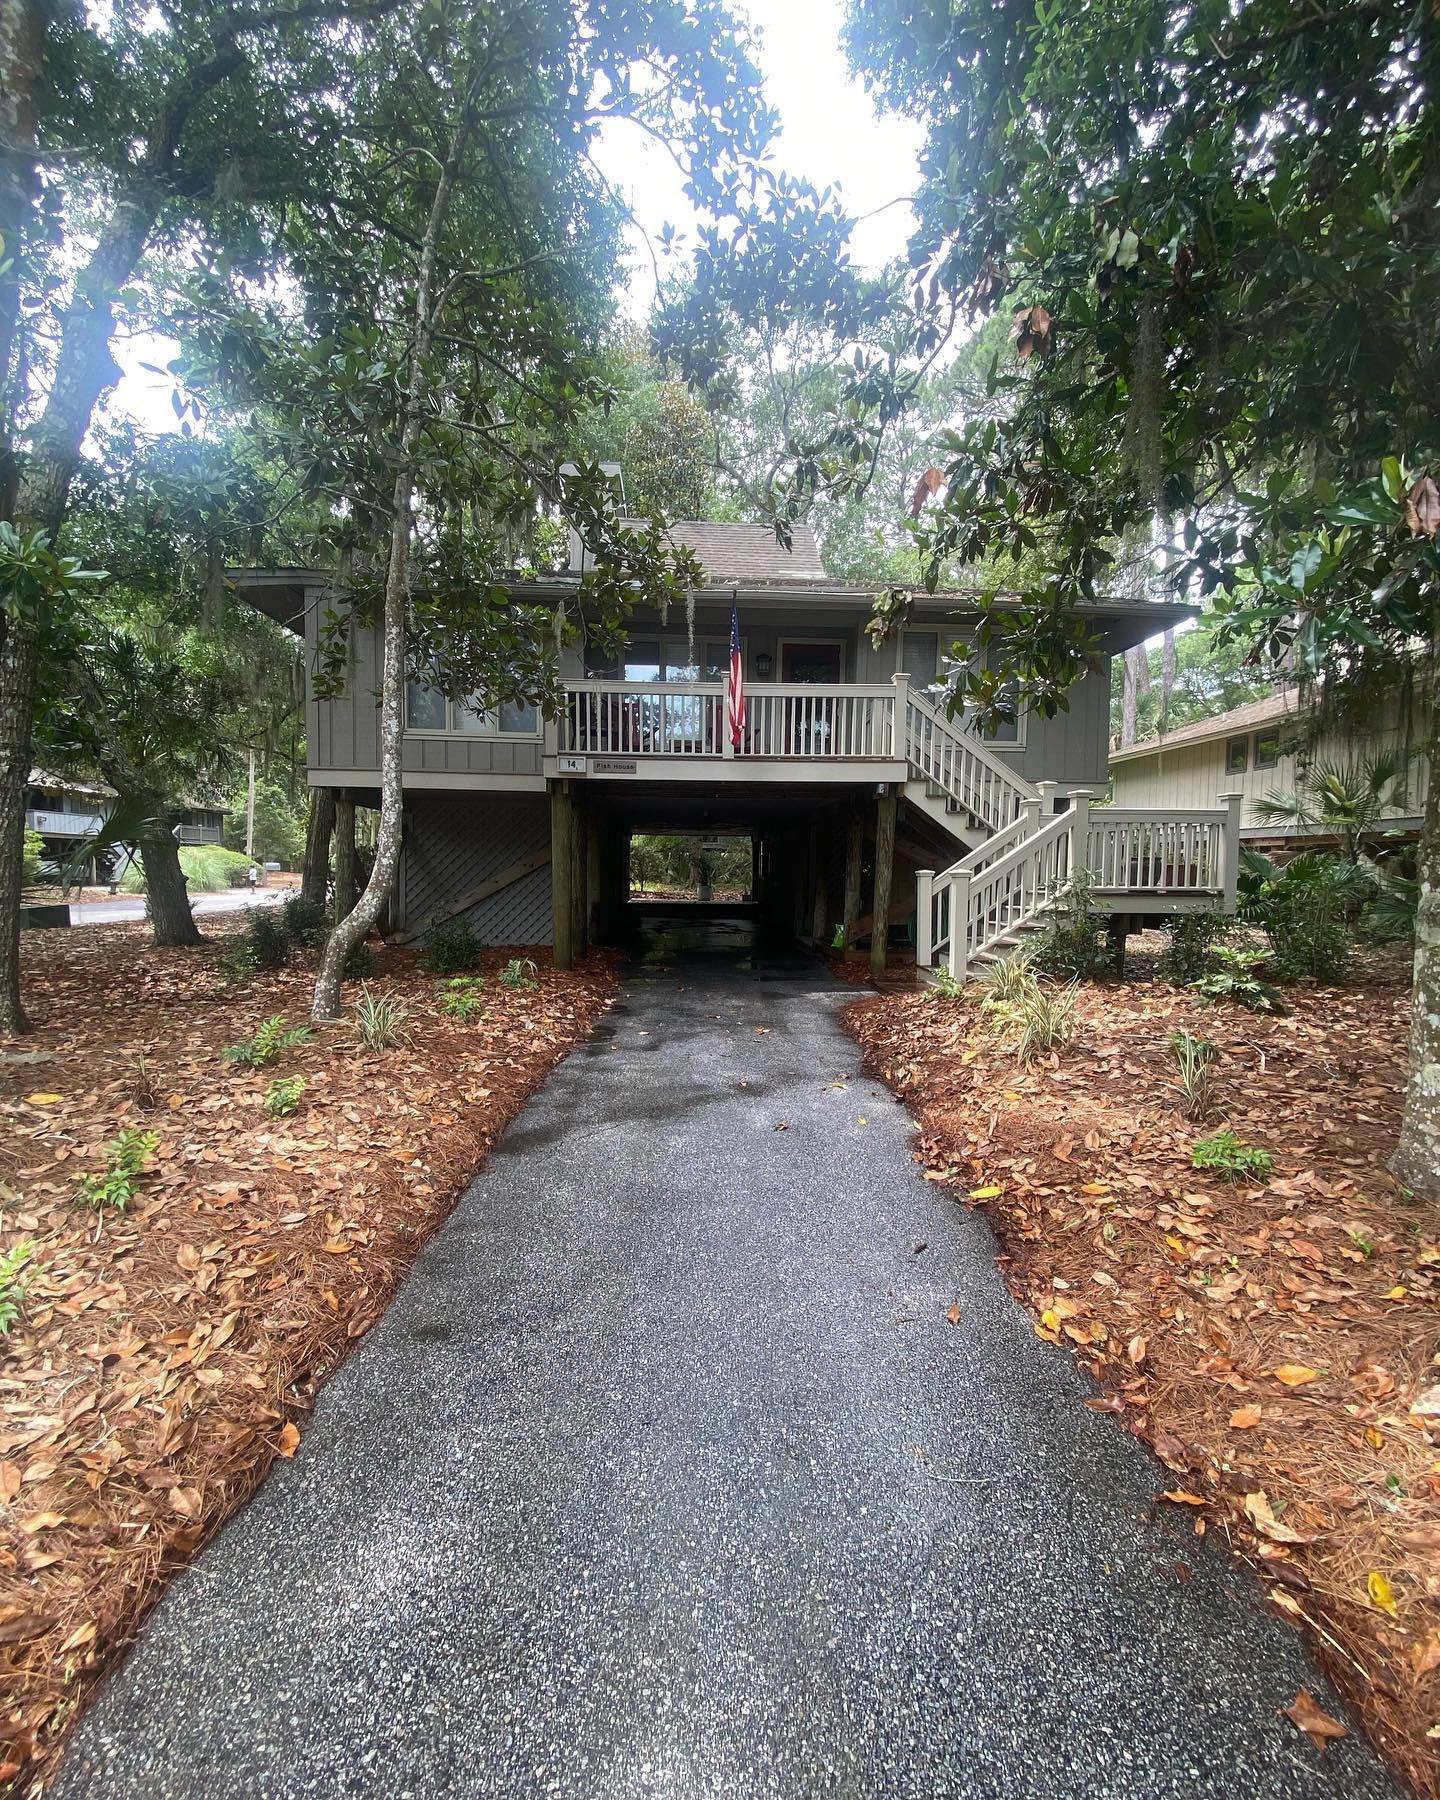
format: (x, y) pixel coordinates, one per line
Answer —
(986, 899)
(668, 719)
(955, 761)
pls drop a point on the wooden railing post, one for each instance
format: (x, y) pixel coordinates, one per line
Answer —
(1080, 799)
(899, 746)
(959, 958)
(924, 917)
(1230, 854)
(1047, 791)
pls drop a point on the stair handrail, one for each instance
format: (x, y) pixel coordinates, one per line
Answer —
(964, 913)
(982, 782)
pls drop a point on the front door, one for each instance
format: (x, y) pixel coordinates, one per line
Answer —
(812, 664)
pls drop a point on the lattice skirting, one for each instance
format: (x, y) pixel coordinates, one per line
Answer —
(454, 843)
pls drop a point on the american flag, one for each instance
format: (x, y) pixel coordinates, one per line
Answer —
(735, 687)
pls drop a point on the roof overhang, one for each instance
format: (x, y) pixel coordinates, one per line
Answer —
(278, 593)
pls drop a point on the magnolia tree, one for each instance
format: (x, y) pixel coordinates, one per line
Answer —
(1214, 233)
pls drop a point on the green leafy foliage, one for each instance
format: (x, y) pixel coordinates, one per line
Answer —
(261, 943)
(519, 972)
(304, 922)
(1190, 938)
(18, 1268)
(380, 1019)
(209, 869)
(1390, 916)
(361, 963)
(451, 947)
(464, 997)
(1232, 1157)
(1194, 1059)
(943, 986)
(1306, 909)
(283, 1096)
(31, 857)
(125, 1158)
(1233, 977)
(1047, 1018)
(1073, 947)
(268, 1044)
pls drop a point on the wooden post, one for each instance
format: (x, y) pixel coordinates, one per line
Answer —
(1047, 791)
(884, 871)
(1080, 799)
(1230, 854)
(854, 849)
(821, 919)
(345, 874)
(924, 917)
(959, 959)
(562, 873)
(579, 872)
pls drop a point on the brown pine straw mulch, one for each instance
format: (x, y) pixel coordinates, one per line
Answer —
(1275, 1344)
(166, 1354)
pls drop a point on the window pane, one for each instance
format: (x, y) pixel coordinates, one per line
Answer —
(518, 715)
(717, 659)
(920, 658)
(679, 664)
(1237, 756)
(468, 718)
(424, 707)
(642, 660)
(1267, 749)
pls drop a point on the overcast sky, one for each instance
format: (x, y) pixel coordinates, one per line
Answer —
(830, 135)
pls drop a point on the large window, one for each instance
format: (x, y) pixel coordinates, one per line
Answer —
(1267, 749)
(669, 659)
(1237, 756)
(428, 710)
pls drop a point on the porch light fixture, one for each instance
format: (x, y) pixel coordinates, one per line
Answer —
(764, 663)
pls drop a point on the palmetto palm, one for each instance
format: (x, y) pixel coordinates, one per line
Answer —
(1349, 800)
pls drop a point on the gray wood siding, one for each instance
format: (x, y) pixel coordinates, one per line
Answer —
(454, 843)
(344, 733)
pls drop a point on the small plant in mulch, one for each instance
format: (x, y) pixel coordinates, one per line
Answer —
(268, 1044)
(451, 948)
(519, 972)
(464, 997)
(943, 986)
(380, 1020)
(1232, 1157)
(17, 1269)
(1232, 977)
(282, 1097)
(125, 1158)
(1194, 1059)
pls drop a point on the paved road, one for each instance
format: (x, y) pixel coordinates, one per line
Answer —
(622, 1497)
(126, 912)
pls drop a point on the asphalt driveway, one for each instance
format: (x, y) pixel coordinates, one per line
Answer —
(665, 1475)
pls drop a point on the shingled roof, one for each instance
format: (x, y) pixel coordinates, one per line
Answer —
(1282, 704)
(746, 553)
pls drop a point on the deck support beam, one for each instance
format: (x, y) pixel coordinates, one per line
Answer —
(562, 874)
(854, 852)
(884, 872)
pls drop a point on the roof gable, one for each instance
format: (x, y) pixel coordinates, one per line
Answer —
(745, 553)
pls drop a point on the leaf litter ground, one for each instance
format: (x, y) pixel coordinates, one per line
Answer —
(1274, 1344)
(168, 1353)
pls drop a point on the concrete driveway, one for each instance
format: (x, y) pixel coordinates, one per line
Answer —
(664, 1475)
(128, 911)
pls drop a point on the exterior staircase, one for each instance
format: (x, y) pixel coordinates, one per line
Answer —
(1025, 846)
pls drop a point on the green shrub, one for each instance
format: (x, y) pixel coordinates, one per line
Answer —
(1006, 981)
(464, 996)
(1193, 1057)
(361, 963)
(380, 1020)
(519, 972)
(304, 922)
(17, 1269)
(1047, 1018)
(1191, 938)
(1232, 1157)
(283, 1095)
(125, 1158)
(450, 947)
(1390, 916)
(943, 986)
(209, 869)
(31, 858)
(1308, 909)
(1232, 977)
(1073, 947)
(268, 1044)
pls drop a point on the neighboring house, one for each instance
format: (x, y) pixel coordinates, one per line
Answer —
(859, 796)
(63, 810)
(1265, 748)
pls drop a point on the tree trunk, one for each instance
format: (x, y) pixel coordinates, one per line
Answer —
(167, 898)
(1416, 1161)
(17, 703)
(1137, 681)
(354, 929)
(315, 877)
(344, 856)
(1168, 664)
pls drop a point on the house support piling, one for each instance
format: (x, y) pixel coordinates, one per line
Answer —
(884, 870)
(562, 874)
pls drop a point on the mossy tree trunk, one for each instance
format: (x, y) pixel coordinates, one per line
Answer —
(167, 897)
(1417, 1156)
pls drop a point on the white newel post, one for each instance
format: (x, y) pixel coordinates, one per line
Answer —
(1047, 791)
(899, 749)
(924, 918)
(959, 925)
(1230, 867)
(1080, 799)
